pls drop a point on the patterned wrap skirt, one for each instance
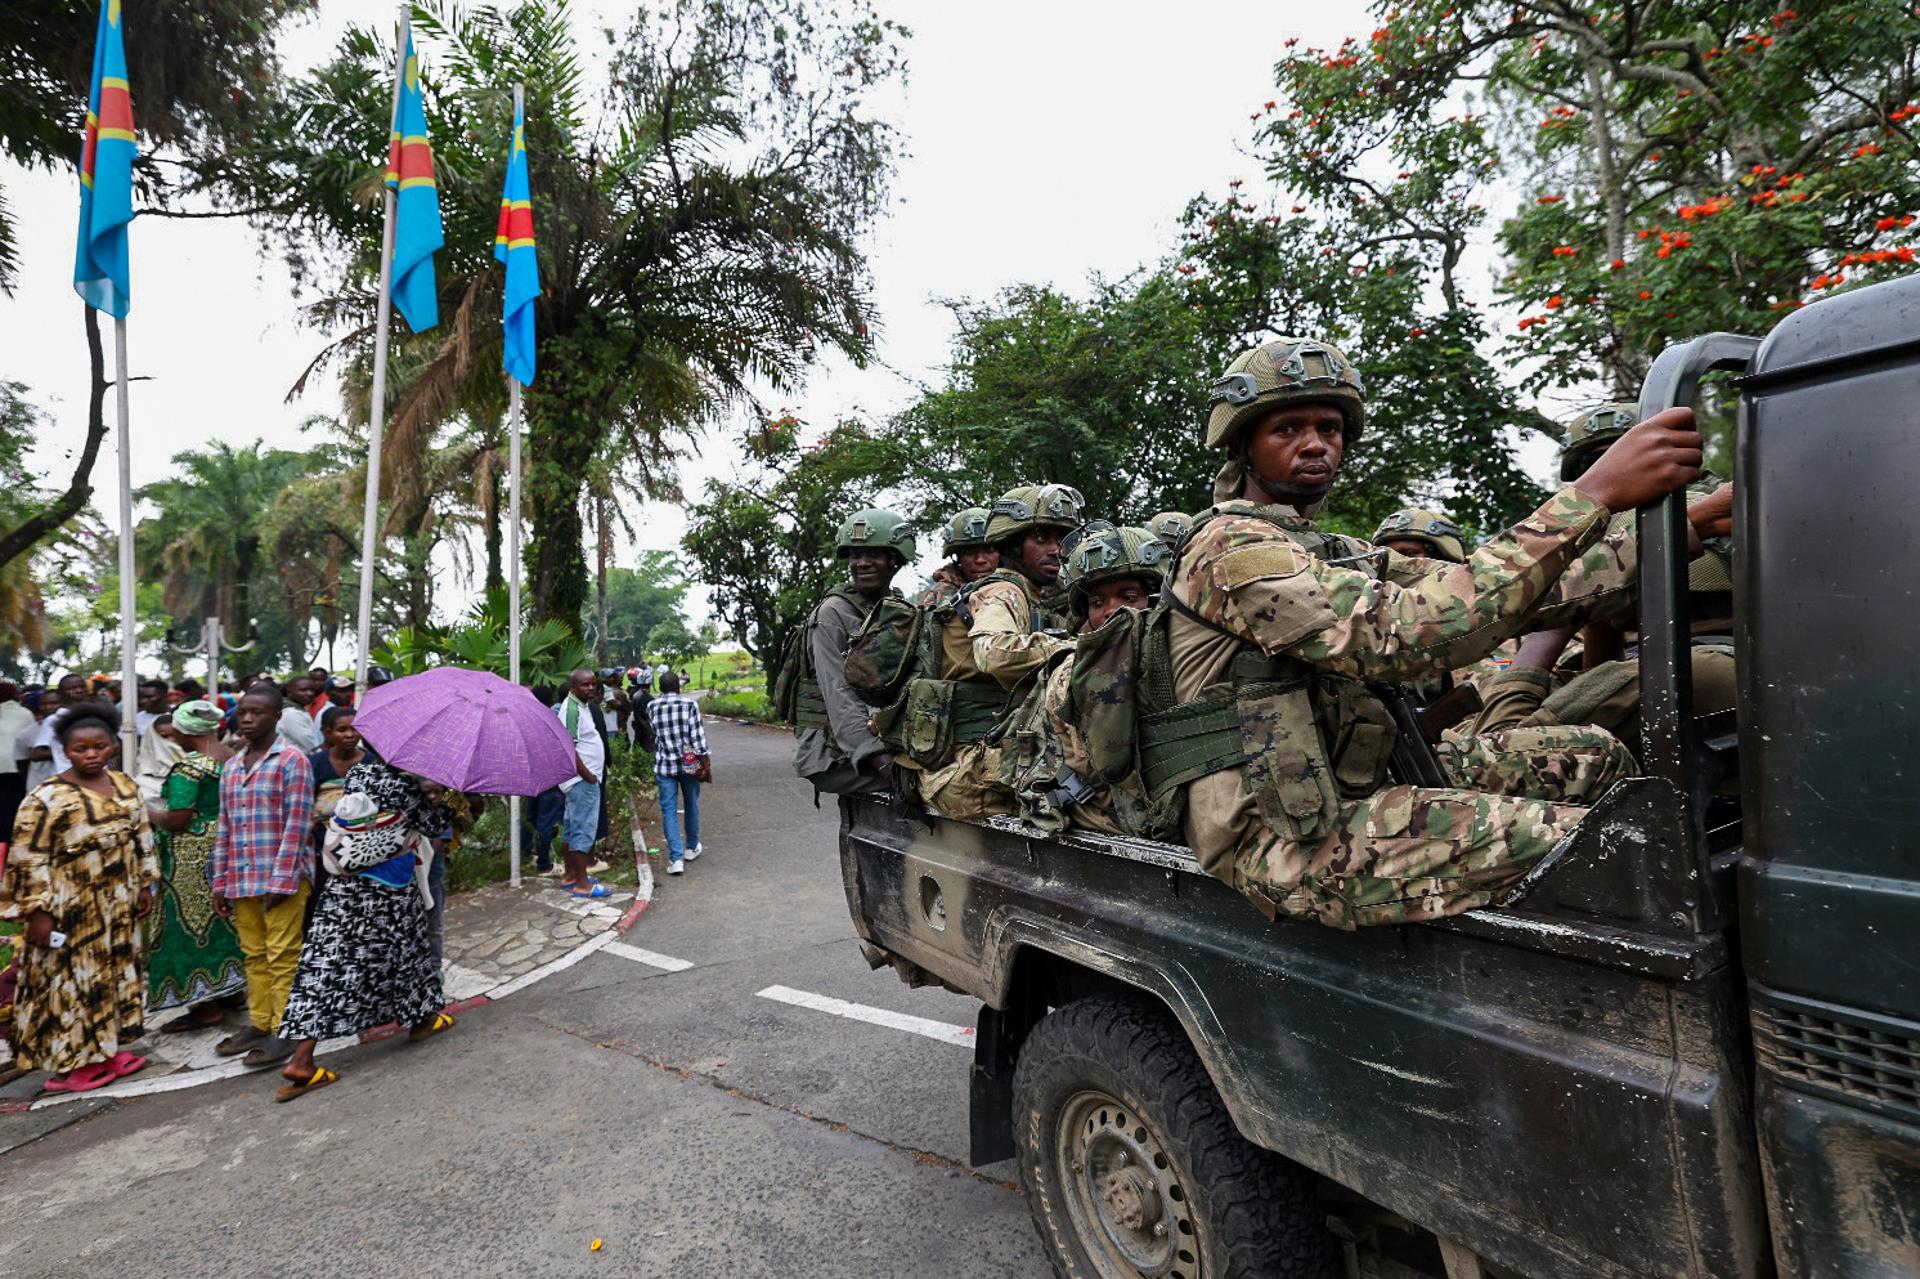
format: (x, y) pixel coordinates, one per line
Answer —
(366, 962)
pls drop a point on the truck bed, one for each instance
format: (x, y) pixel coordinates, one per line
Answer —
(1453, 1073)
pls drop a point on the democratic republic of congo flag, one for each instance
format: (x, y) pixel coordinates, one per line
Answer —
(416, 226)
(106, 175)
(513, 244)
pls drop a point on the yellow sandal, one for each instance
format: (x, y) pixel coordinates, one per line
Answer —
(441, 1021)
(320, 1078)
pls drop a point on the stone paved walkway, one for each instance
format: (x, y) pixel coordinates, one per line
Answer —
(493, 936)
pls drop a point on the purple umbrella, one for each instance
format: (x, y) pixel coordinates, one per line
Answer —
(468, 730)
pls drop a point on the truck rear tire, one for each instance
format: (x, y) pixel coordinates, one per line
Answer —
(1133, 1167)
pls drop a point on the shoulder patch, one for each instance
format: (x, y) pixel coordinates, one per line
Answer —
(1263, 561)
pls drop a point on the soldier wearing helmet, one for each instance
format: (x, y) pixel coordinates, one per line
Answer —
(835, 750)
(1421, 534)
(1009, 632)
(1170, 526)
(970, 556)
(1054, 761)
(1288, 625)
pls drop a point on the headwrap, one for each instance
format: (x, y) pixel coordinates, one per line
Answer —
(197, 719)
(397, 792)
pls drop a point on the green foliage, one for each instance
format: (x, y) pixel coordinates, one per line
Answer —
(763, 541)
(753, 704)
(549, 650)
(640, 599)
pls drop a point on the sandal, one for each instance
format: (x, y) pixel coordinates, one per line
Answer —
(82, 1079)
(598, 890)
(124, 1063)
(320, 1078)
(270, 1051)
(441, 1021)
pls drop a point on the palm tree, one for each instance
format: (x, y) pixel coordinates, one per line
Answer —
(698, 243)
(211, 526)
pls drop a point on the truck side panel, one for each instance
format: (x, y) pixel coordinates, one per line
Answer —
(1457, 1080)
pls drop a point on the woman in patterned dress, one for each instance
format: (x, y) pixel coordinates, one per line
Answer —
(80, 876)
(368, 959)
(193, 955)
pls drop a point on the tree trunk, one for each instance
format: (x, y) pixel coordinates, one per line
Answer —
(240, 615)
(564, 448)
(496, 577)
(17, 542)
(600, 609)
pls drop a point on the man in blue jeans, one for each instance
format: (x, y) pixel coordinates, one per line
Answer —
(582, 791)
(679, 761)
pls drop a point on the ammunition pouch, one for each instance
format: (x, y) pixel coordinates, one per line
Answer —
(809, 705)
(937, 716)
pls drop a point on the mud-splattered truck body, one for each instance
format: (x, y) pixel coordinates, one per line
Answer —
(1691, 1045)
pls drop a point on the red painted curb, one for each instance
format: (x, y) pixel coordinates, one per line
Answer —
(632, 916)
(392, 1028)
(14, 1107)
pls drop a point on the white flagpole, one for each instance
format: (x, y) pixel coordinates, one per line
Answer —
(378, 417)
(513, 564)
(129, 685)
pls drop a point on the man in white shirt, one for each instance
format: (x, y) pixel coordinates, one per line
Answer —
(46, 747)
(14, 718)
(151, 706)
(582, 791)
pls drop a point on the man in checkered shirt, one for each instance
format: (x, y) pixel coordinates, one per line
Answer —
(679, 749)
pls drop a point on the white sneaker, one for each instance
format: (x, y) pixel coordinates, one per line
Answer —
(676, 867)
(693, 854)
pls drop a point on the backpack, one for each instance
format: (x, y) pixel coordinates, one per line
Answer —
(894, 664)
(796, 688)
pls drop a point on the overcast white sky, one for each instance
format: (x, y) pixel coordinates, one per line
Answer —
(1048, 141)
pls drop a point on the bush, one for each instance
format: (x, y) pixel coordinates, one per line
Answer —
(749, 703)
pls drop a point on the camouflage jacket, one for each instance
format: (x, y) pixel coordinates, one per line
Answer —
(1007, 645)
(1246, 572)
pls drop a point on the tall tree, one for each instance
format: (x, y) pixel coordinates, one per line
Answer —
(701, 241)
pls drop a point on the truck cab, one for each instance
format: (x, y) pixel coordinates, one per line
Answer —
(1688, 1046)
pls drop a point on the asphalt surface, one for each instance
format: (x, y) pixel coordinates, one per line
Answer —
(692, 1125)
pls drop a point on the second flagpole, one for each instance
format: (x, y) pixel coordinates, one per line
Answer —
(513, 567)
(377, 420)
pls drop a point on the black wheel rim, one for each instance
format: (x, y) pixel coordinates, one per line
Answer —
(1123, 1194)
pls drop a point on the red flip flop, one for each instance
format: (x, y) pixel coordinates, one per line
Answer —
(124, 1063)
(84, 1079)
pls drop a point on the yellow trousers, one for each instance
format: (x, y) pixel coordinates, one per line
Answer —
(270, 942)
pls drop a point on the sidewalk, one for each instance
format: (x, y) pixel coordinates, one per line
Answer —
(499, 939)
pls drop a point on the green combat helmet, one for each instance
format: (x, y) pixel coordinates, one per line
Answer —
(1590, 433)
(966, 531)
(1106, 552)
(1034, 506)
(1429, 527)
(1287, 371)
(1170, 526)
(874, 528)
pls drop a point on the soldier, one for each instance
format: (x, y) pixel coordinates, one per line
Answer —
(970, 556)
(1421, 534)
(1010, 633)
(836, 751)
(1170, 526)
(1290, 804)
(1060, 765)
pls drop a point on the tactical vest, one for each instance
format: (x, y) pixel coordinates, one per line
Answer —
(796, 689)
(1305, 739)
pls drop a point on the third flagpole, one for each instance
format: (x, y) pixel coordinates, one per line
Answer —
(369, 540)
(129, 679)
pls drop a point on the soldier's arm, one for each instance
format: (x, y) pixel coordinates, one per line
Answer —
(1004, 645)
(1440, 616)
(846, 714)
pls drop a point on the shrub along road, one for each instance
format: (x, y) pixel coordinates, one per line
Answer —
(650, 1096)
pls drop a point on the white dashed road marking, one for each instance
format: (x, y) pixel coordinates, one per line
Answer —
(945, 1032)
(651, 958)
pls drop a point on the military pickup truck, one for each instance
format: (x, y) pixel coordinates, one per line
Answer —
(1689, 1046)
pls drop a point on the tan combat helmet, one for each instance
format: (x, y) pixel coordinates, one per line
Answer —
(1105, 552)
(1589, 434)
(1170, 526)
(1431, 528)
(1034, 506)
(966, 531)
(1287, 371)
(874, 527)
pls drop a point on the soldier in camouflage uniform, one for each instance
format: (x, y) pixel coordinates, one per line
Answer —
(1057, 761)
(1607, 692)
(836, 751)
(1170, 526)
(970, 556)
(1421, 534)
(1290, 803)
(1010, 633)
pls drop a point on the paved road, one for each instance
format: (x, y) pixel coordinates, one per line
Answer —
(697, 1127)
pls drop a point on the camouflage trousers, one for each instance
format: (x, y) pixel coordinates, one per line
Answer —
(1411, 853)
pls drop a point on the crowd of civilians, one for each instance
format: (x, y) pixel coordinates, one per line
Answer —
(260, 859)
